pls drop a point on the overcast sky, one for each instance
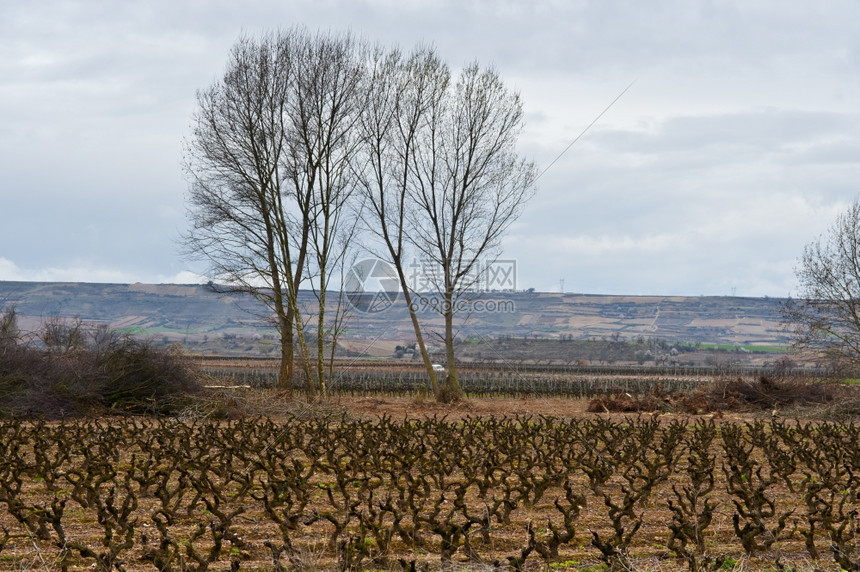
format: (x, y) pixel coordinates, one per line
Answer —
(738, 143)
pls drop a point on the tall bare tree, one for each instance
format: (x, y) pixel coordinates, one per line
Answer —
(265, 159)
(825, 317)
(329, 98)
(470, 184)
(233, 160)
(445, 178)
(401, 91)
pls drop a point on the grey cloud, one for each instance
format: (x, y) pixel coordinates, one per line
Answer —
(738, 144)
(761, 130)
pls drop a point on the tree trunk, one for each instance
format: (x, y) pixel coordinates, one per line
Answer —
(321, 381)
(451, 390)
(419, 337)
(285, 375)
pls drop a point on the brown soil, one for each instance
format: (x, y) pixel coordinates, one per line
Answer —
(408, 407)
(271, 403)
(650, 551)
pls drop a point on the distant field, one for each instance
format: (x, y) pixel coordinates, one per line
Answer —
(208, 322)
(747, 347)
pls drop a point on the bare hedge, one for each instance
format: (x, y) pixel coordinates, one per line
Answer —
(109, 372)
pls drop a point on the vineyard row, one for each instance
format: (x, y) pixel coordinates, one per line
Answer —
(476, 383)
(503, 492)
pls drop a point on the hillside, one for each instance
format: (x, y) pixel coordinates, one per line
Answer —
(194, 314)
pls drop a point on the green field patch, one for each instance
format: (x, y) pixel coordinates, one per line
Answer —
(143, 331)
(746, 347)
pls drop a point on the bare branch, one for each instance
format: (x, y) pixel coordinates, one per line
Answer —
(826, 317)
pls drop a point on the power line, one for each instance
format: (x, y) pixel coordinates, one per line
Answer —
(584, 131)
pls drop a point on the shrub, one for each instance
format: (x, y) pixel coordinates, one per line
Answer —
(766, 393)
(110, 372)
(731, 395)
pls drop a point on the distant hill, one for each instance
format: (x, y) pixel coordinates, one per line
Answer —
(195, 314)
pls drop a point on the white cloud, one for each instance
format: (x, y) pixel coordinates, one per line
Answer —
(10, 271)
(183, 277)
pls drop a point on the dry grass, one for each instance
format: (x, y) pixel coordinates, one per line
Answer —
(230, 400)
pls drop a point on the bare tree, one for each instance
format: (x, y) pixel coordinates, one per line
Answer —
(266, 161)
(825, 318)
(444, 178)
(401, 92)
(327, 104)
(233, 160)
(62, 336)
(470, 185)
